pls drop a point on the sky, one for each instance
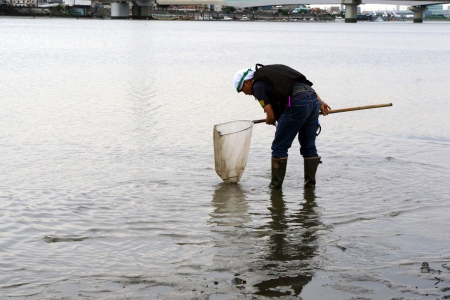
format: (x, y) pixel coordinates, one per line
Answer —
(386, 7)
(377, 7)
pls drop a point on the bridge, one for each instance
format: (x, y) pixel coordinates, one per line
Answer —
(120, 8)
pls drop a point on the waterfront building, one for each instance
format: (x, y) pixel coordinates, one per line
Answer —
(334, 9)
(45, 3)
(21, 3)
(436, 9)
(77, 2)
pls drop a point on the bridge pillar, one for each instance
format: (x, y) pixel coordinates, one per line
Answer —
(141, 12)
(142, 9)
(120, 10)
(418, 13)
(351, 10)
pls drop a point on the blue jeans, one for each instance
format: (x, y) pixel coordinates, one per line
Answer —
(301, 118)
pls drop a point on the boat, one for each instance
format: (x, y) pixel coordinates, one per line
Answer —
(226, 18)
(164, 17)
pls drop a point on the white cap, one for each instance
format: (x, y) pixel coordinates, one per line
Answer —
(241, 76)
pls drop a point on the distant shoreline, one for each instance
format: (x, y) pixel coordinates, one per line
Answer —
(54, 12)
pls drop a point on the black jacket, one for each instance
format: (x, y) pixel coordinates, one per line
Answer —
(282, 79)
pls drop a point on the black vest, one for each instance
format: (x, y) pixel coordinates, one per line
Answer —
(282, 79)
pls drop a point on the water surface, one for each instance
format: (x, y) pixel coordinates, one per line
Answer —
(108, 188)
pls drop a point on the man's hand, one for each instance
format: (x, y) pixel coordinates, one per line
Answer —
(270, 118)
(270, 121)
(324, 109)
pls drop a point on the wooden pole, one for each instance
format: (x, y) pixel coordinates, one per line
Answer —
(343, 110)
(358, 108)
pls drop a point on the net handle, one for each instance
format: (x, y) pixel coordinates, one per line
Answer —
(342, 110)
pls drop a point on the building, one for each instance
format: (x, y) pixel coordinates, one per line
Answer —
(436, 9)
(21, 3)
(334, 9)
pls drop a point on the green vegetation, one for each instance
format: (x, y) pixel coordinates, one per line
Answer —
(61, 9)
(229, 9)
(284, 12)
(435, 17)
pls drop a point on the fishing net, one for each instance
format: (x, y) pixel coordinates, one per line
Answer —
(231, 146)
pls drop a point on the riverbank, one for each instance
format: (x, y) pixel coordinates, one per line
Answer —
(105, 12)
(56, 11)
(70, 12)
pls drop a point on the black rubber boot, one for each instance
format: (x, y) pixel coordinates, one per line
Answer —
(311, 164)
(278, 172)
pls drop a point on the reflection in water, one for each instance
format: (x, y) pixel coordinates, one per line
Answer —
(231, 238)
(293, 240)
(288, 251)
(230, 206)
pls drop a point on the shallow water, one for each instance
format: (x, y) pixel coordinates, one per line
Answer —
(108, 188)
